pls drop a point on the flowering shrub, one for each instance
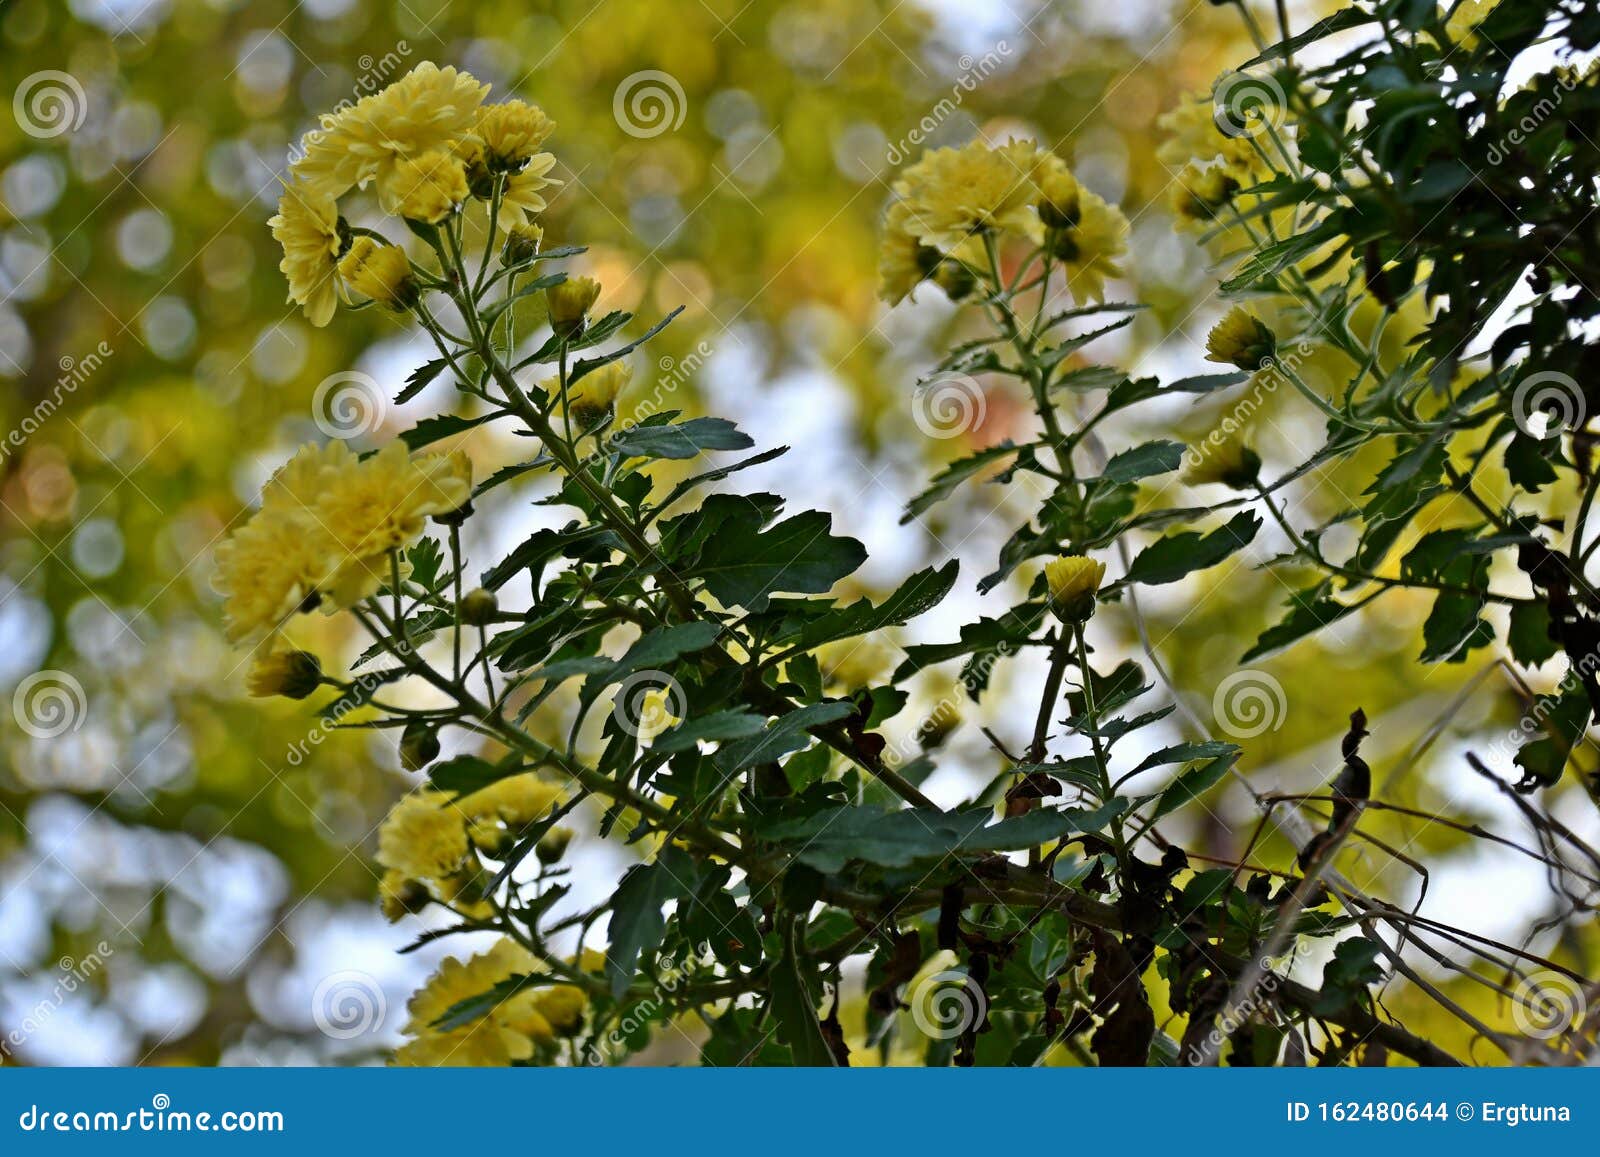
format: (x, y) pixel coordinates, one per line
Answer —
(669, 659)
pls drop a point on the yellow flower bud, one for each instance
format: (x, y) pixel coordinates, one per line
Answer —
(292, 674)
(553, 845)
(522, 245)
(511, 133)
(955, 279)
(562, 1005)
(479, 607)
(419, 746)
(381, 272)
(1240, 339)
(400, 896)
(1198, 193)
(1073, 581)
(1223, 457)
(570, 303)
(596, 394)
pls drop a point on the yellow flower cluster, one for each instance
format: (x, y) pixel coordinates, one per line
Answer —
(427, 843)
(327, 524)
(1210, 165)
(951, 199)
(511, 1030)
(424, 144)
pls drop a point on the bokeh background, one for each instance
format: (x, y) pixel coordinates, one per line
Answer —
(186, 874)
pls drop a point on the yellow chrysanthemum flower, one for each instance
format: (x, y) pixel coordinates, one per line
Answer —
(424, 837)
(429, 108)
(1198, 194)
(1073, 582)
(1195, 135)
(904, 262)
(504, 1034)
(1240, 339)
(380, 504)
(511, 133)
(496, 813)
(426, 188)
(953, 193)
(521, 199)
(381, 272)
(272, 567)
(595, 394)
(1089, 249)
(307, 226)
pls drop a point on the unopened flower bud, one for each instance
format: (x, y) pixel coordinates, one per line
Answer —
(570, 303)
(381, 272)
(479, 607)
(292, 674)
(522, 245)
(553, 845)
(1073, 581)
(419, 746)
